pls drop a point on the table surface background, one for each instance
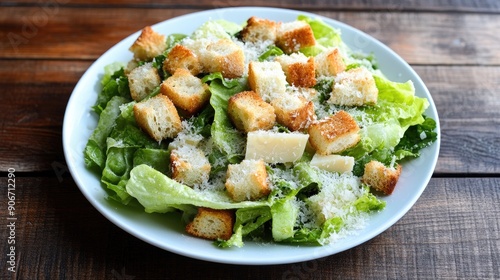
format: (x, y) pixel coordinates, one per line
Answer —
(453, 231)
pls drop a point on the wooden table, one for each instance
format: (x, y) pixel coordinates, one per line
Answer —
(453, 231)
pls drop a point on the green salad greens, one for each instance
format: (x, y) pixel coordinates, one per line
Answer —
(306, 204)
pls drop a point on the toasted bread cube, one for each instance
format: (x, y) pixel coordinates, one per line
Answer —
(148, 45)
(224, 56)
(249, 112)
(381, 177)
(292, 36)
(294, 112)
(267, 79)
(330, 63)
(142, 80)
(299, 69)
(158, 117)
(258, 30)
(131, 65)
(189, 165)
(182, 57)
(334, 134)
(355, 87)
(247, 180)
(212, 224)
(186, 91)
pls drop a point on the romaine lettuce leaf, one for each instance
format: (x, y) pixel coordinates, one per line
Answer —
(416, 138)
(397, 109)
(219, 29)
(113, 84)
(158, 193)
(284, 215)
(95, 150)
(226, 138)
(326, 36)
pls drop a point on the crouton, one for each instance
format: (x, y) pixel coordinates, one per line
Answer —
(334, 134)
(158, 117)
(249, 112)
(247, 180)
(148, 45)
(258, 30)
(295, 35)
(267, 79)
(224, 56)
(142, 80)
(189, 165)
(381, 177)
(131, 65)
(182, 57)
(186, 91)
(299, 69)
(294, 112)
(212, 224)
(329, 63)
(355, 87)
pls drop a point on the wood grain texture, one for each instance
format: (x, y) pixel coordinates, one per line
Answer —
(35, 94)
(453, 231)
(86, 33)
(485, 6)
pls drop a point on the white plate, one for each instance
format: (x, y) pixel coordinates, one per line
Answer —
(165, 231)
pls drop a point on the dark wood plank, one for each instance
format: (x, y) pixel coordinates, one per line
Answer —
(85, 33)
(487, 6)
(465, 97)
(430, 39)
(467, 102)
(451, 232)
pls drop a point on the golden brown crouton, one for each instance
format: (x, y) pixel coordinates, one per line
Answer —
(294, 112)
(182, 57)
(212, 224)
(267, 79)
(381, 177)
(247, 180)
(249, 112)
(186, 91)
(334, 134)
(258, 30)
(299, 69)
(142, 80)
(292, 36)
(355, 87)
(330, 63)
(189, 165)
(226, 57)
(158, 117)
(148, 45)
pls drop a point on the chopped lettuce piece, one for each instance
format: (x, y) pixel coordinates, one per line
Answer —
(326, 36)
(113, 84)
(216, 29)
(158, 193)
(284, 215)
(95, 150)
(271, 52)
(226, 138)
